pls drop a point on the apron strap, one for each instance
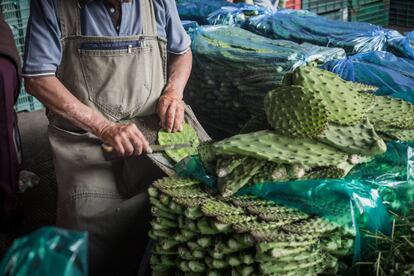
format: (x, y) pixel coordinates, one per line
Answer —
(69, 17)
(147, 14)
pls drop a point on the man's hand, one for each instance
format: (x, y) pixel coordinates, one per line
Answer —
(126, 139)
(170, 109)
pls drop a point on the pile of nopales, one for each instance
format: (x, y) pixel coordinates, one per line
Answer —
(316, 126)
(234, 69)
(197, 233)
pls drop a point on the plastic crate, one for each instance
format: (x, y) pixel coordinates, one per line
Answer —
(341, 15)
(27, 102)
(402, 13)
(376, 13)
(324, 6)
(292, 4)
(16, 14)
(357, 3)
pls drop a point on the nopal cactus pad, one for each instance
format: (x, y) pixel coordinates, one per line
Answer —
(296, 111)
(343, 100)
(187, 135)
(357, 139)
(270, 146)
(390, 113)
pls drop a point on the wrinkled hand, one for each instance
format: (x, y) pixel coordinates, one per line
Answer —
(126, 139)
(170, 109)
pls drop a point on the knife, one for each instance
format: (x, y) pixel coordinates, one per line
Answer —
(110, 153)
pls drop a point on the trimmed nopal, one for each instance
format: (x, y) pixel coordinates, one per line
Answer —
(296, 111)
(174, 182)
(187, 135)
(271, 146)
(360, 138)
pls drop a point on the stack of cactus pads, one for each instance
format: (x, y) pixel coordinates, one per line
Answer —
(315, 126)
(234, 69)
(197, 233)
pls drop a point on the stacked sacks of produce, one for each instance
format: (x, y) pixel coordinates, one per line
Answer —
(234, 69)
(316, 126)
(199, 10)
(235, 16)
(353, 37)
(199, 233)
(392, 75)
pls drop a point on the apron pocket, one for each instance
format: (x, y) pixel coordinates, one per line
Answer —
(117, 77)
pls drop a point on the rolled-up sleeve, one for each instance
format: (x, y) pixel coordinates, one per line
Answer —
(179, 41)
(43, 51)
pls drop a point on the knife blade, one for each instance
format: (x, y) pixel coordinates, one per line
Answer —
(110, 153)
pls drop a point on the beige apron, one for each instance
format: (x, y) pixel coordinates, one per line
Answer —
(122, 77)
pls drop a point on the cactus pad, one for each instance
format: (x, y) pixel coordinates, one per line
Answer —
(297, 112)
(174, 182)
(390, 113)
(401, 134)
(239, 177)
(343, 99)
(276, 148)
(271, 172)
(187, 135)
(358, 139)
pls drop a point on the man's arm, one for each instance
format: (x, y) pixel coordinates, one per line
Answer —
(125, 139)
(170, 106)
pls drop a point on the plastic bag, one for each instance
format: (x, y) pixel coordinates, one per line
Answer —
(393, 76)
(234, 69)
(199, 10)
(235, 16)
(410, 37)
(353, 37)
(48, 251)
(189, 25)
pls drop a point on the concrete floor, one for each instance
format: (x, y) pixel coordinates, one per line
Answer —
(39, 203)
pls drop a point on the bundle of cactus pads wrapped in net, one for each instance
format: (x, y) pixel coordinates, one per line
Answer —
(314, 126)
(234, 69)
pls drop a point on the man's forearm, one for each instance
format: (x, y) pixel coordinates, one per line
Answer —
(54, 95)
(179, 70)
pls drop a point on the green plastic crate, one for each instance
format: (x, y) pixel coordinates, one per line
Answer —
(357, 3)
(341, 15)
(16, 14)
(375, 13)
(324, 6)
(402, 13)
(27, 102)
